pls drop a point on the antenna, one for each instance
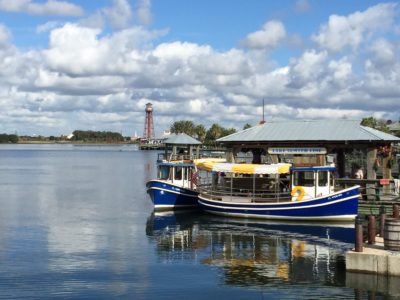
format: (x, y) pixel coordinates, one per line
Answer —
(263, 119)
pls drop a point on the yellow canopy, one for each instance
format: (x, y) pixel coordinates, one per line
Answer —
(213, 166)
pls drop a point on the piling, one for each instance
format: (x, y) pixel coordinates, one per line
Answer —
(358, 247)
(396, 214)
(382, 218)
(371, 230)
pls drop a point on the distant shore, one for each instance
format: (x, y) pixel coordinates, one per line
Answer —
(74, 143)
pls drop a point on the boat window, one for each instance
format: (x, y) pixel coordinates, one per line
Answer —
(322, 178)
(303, 178)
(163, 172)
(185, 173)
(178, 173)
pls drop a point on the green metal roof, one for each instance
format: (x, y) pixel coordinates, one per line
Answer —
(181, 139)
(314, 130)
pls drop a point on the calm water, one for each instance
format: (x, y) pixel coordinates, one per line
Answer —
(76, 222)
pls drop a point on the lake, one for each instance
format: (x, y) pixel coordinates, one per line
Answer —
(76, 222)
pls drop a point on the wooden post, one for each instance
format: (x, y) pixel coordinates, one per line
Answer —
(371, 230)
(341, 163)
(358, 247)
(386, 173)
(382, 213)
(371, 174)
(230, 157)
(190, 152)
(396, 213)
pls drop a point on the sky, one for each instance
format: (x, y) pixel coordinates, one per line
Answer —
(93, 65)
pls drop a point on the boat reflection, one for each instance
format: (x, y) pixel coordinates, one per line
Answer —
(254, 253)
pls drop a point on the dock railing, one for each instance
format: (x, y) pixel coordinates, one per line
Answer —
(376, 194)
(371, 189)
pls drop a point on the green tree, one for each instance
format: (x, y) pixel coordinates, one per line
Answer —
(200, 132)
(376, 124)
(8, 138)
(227, 131)
(247, 126)
(213, 133)
(183, 126)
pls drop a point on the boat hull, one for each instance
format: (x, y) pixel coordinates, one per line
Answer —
(339, 206)
(166, 196)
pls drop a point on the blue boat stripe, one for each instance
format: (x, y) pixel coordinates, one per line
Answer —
(201, 201)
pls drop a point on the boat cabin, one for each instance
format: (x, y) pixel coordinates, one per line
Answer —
(179, 174)
(312, 182)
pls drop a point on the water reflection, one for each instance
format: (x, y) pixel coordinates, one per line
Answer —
(254, 253)
(368, 285)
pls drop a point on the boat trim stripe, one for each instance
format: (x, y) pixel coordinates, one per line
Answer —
(280, 217)
(173, 192)
(201, 201)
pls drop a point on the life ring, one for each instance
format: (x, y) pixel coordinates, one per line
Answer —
(298, 190)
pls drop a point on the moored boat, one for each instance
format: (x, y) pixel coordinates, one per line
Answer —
(276, 191)
(175, 186)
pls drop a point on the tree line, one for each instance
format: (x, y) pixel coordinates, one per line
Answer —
(8, 138)
(97, 136)
(206, 136)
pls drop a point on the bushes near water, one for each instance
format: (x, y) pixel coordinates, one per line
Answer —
(8, 138)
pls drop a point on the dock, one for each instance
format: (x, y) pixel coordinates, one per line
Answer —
(374, 260)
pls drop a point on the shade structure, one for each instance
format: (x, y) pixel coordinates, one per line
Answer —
(213, 166)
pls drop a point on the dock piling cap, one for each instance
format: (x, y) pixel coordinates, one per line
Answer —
(359, 220)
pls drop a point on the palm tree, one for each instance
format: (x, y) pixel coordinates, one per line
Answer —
(183, 126)
(200, 132)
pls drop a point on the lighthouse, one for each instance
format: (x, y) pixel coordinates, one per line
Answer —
(148, 132)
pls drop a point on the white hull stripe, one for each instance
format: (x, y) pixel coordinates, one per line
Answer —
(172, 206)
(249, 207)
(337, 218)
(173, 192)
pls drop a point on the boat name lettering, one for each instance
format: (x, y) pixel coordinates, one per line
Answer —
(335, 196)
(299, 150)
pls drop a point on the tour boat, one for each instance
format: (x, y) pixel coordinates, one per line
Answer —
(276, 191)
(175, 186)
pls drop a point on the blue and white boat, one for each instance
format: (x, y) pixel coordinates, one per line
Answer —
(175, 186)
(276, 191)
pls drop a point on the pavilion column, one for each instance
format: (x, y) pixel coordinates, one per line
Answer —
(173, 154)
(274, 158)
(231, 154)
(341, 163)
(386, 173)
(371, 174)
(190, 152)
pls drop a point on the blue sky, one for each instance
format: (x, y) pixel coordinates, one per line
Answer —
(70, 65)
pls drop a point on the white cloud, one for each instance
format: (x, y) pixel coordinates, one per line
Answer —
(50, 7)
(307, 68)
(119, 15)
(350, 31)
(4, 35)
(48, 26)
(384, 52)
(78, 50)
(89, 77)
(272, 33)
(144, 12)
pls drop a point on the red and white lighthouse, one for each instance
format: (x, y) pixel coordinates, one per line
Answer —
(148, 133)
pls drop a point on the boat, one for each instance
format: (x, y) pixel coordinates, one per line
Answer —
(175, 185)
(275, 191)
